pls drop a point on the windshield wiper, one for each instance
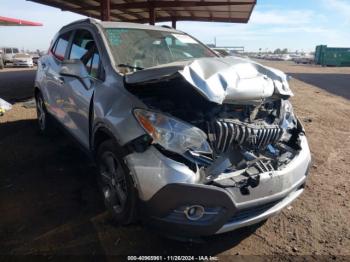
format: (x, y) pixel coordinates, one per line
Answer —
(130, 66)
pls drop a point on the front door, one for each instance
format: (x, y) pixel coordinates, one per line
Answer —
(78, 95)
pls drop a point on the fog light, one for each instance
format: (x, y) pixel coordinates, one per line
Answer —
(194, 212)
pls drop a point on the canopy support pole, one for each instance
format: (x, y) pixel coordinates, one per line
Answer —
(152, 15)
(173, 23)
(105, 10)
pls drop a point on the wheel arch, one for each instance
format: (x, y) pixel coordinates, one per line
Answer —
(36, 91)
(100, 134)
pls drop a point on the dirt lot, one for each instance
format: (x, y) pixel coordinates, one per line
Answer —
(49, 203)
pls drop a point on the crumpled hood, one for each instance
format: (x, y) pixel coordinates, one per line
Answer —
(221, 80)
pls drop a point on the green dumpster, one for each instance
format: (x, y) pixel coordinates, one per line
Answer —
(332, 56)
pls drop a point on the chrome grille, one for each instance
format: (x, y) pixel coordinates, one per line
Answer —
(226, 132)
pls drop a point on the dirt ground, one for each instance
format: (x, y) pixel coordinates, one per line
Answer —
(49, 203)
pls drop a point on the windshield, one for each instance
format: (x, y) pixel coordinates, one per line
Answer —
(136, 49)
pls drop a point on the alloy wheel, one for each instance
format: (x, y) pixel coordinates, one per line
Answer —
(41, 114)
(113, 182)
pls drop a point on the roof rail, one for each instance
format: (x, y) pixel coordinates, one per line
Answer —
(86, 20)
(166, 26)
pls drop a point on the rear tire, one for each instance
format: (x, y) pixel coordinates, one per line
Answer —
(43, 117)
(116, 183)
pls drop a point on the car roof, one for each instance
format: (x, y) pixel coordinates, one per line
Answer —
(122, 25)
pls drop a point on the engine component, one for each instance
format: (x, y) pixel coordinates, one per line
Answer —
(226, 132)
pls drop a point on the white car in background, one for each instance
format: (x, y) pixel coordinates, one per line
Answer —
(23, 60)
(305, 59)
(8, 53)
(286, 57)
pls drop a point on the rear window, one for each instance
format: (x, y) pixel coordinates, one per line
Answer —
(60, 47)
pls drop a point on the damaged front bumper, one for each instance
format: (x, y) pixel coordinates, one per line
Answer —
(167, 189)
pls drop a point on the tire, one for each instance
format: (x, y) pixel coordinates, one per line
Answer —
(116, 183)
(43, 117)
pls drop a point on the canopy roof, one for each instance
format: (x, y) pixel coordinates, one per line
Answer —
(144, 11)
(6, 21)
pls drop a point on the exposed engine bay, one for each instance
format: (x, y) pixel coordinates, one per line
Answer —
(247, 137)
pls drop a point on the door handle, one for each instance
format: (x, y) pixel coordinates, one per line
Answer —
(59, 79)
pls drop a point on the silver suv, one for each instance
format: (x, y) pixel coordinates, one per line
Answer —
(191, 143)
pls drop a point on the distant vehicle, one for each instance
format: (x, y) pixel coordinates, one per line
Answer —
(190, 142)
(22, 60)
(285, 57)
(8, 53)
(305, 59)
(1, 61)
(35, 59)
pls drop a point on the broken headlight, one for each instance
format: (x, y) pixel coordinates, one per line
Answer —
(172, 134)
(288, 117)
(288, 120)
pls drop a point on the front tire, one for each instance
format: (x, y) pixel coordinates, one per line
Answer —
(116, 183)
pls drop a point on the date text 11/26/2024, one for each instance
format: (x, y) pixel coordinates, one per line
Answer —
(172, 258)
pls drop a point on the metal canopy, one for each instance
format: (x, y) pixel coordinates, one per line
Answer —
(151, 11)
(6, 21)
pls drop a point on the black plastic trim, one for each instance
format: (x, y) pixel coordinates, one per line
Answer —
(173, 196)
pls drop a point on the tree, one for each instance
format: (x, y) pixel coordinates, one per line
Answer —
(277, 51)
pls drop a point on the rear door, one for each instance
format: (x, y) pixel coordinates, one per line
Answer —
(78, 96)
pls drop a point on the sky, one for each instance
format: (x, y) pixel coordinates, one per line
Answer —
(296, 25)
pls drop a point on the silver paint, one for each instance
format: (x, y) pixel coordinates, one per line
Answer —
(220, 80)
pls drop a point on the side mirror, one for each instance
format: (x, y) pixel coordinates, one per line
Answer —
(75, 68)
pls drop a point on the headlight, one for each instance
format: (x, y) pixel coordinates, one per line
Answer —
(288, 120)
(172, 134)
(288, 114)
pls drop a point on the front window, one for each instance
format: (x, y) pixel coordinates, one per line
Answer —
(15, 51)
(60, 47)
(140, 48)
(84, 48)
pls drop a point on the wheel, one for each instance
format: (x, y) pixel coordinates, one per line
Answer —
(116, 183)
(42, 115)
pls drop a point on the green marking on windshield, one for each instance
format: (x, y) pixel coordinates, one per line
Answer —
(114, 35)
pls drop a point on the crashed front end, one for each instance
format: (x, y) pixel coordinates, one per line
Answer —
(222, 147)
